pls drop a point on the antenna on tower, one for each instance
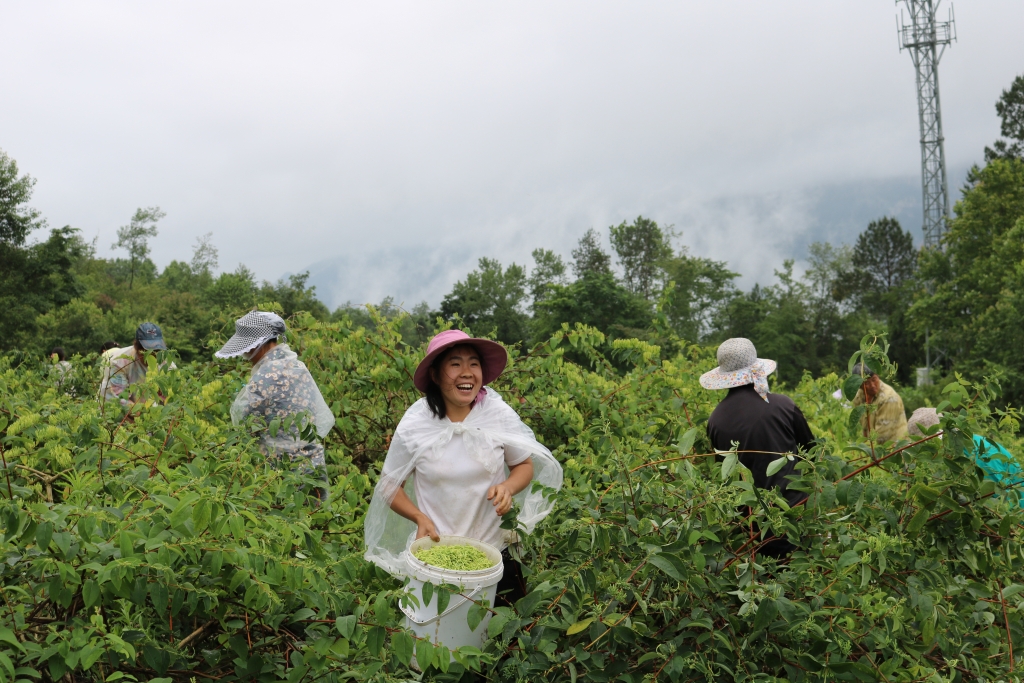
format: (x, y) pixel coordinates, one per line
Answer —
(923, 37)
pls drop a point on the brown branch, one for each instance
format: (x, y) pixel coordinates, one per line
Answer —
(195, 634)
(1006, 621)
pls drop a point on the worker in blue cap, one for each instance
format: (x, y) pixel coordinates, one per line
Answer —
(128, 366)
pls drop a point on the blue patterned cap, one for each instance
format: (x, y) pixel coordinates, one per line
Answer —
(150, 337)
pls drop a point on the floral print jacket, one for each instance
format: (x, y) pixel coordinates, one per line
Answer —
(282, 390)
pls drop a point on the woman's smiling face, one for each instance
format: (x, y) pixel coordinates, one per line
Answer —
(460, 375)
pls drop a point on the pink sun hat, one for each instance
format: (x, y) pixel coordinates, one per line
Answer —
(493, 355)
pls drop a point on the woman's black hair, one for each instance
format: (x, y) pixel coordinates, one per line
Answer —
(435, 399)
(107, 345)
(59, 352)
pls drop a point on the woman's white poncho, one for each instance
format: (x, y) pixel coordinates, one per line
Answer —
(422, 436)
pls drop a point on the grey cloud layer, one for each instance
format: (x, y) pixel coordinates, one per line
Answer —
(410, 139)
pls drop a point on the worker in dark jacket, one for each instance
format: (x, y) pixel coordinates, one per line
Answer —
(766, 426)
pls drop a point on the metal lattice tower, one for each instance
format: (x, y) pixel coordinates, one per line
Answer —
(926, 39)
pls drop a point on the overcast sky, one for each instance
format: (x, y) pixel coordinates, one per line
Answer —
(388, 146)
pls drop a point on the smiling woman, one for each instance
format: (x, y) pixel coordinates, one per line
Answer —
(453, 375)
(458, 459)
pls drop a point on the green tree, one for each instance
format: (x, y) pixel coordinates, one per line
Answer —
(17, 220)
(34, 280)
(641, 247)
(491, 300)
(596, 299)
(700, 287)
(196, 275)
(589, 257)
(177, 276)
(548, 270)
(837, 319)
(883, 260)
(134, 237)
(882, 281)
(778, 320)
(415, 327)
(1010, 108)
(80, 327)
(293, 295)
(233, 292)
(975, 310)
(204, 255)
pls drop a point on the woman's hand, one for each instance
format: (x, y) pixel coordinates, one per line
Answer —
(519, 478)
(425, 527)
(501, 497)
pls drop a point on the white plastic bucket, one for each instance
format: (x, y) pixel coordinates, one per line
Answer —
(451, 628)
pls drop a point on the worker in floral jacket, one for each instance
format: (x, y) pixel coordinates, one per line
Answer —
(280, 389)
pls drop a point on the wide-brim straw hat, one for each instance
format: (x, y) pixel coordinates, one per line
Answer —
(737, 364)
(493, 356)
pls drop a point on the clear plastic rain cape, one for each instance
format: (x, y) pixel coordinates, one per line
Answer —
(419, 436)
(281, 388)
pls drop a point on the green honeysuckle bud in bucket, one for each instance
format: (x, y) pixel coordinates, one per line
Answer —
(455, 557)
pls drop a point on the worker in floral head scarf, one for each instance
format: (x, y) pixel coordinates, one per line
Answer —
(281, 393)
(766, 426)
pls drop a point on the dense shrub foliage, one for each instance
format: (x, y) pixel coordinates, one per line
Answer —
(158, 543)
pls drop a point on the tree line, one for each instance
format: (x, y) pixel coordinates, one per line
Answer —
(963, 301)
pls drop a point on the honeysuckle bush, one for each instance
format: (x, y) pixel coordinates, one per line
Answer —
(156, 542)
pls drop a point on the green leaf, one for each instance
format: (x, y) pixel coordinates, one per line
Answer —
(766, 613)
(848, 559)
(926, 494)
(853, 424)
(86, 525)
(401, 646)
(851, 386)
(442, 657)
(497, 622)
(669, 564)
(579, 626)
(427, 592)
(699, 561)
(302, 615)
(90, 654)
(775, 465)
(7, 636)
(375, 639)
(44, 532)
(476, 614)
(686, 443)
(345, 626)
(424, 654)
(917, 522)
(1012, 590)
(729, 464)
(444, 596)
(236, 580)
(201, 515)
(90, 593)
(526, 605)
(126, 544)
